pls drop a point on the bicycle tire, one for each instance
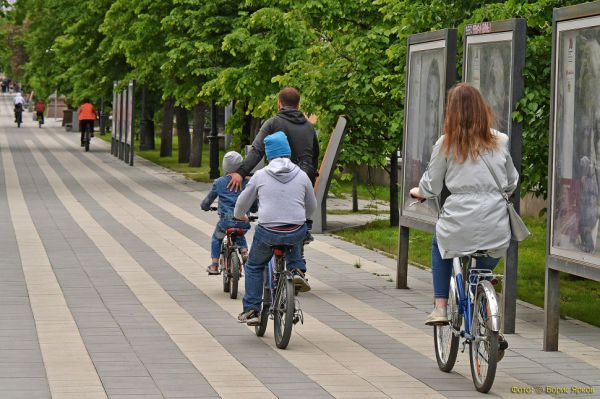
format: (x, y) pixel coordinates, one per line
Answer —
(483, 381)
(284, 310)
(87, 139)
(18, 124)
(225, 271)
(445, 341)
(264, 313)
(234, 278)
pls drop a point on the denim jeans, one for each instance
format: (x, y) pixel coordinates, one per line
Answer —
(260, 254)
(441, 269)
(219, 234)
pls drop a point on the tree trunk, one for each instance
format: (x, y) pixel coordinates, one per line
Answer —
(183, 133)
(394, 210)
(150, 143)
(166, 143)
(355, 188)
(147, 121)
(198, 135)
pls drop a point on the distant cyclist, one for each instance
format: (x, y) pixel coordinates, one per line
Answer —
(19, 103)
(87, 116)
(40, 108)
(300, 134)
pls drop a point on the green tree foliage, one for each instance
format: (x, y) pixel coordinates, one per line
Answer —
(346, 56)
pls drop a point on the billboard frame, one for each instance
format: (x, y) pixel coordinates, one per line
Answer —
(408, 222)
(556, 263)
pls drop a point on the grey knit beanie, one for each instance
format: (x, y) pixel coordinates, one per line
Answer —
(232, 162)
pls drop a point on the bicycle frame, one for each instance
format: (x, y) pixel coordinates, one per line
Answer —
(466, 293)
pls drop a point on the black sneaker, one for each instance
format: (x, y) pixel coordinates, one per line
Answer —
(300, 281)
(251, 317)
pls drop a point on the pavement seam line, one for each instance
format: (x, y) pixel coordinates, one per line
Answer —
(69, 368)
(191, 337)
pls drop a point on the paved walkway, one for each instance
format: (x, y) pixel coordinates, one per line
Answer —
(103, 294)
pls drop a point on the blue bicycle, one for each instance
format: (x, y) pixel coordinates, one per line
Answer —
(279, 299)
(472, 300)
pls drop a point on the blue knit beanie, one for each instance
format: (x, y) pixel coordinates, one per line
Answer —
(276, 145)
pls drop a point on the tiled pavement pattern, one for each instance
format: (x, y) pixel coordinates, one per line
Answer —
(103, 294)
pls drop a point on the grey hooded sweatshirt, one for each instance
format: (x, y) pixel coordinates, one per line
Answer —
(284, 192)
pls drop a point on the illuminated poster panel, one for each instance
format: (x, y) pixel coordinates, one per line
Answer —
(431, 70)
(576, 141)
(425, 100)
(488, 67)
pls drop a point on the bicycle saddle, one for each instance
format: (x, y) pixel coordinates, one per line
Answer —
(235, 231)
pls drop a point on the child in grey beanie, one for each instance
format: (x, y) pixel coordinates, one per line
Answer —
(227, 199)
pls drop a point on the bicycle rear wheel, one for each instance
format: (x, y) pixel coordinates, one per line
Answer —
(444, 338)
(483, 350)
(284, 309)
(234, 270)
(264, 313)
(87, 139)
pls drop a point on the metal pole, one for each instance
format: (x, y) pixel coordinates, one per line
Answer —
(213, 140)
(551, 310)
(402, 268)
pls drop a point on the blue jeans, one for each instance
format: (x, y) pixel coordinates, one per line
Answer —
(260, 254)
(219, 234)
(441, 269)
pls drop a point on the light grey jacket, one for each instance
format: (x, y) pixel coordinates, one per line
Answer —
(285, 195)
(474, 216)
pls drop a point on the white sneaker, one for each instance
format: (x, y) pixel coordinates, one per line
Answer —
(437, 317)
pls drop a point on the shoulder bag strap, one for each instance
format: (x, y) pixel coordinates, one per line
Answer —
(504, 194)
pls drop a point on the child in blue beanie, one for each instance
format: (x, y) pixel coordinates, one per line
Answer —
(285, 200)
(227, 200)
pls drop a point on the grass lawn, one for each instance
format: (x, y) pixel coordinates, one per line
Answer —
(579, 298)
(365, 191)
(172, 163)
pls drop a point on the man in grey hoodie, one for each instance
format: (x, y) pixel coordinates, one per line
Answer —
(285, 200)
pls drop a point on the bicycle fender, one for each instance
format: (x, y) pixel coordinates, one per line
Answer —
(496, 315)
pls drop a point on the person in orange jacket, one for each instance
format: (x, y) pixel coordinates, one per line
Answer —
(87, 116)
(40, 107)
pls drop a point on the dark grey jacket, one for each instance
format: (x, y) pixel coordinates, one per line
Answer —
(302, 138)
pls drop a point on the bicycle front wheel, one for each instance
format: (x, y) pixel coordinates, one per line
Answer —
(264, 313)
(484, 348)
(284, 310)
(445, 338)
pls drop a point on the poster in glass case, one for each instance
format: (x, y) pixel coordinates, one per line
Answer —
(489, 69)
(424, 120)
(576, 167)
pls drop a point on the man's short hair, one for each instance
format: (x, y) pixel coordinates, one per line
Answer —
(289, 97)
